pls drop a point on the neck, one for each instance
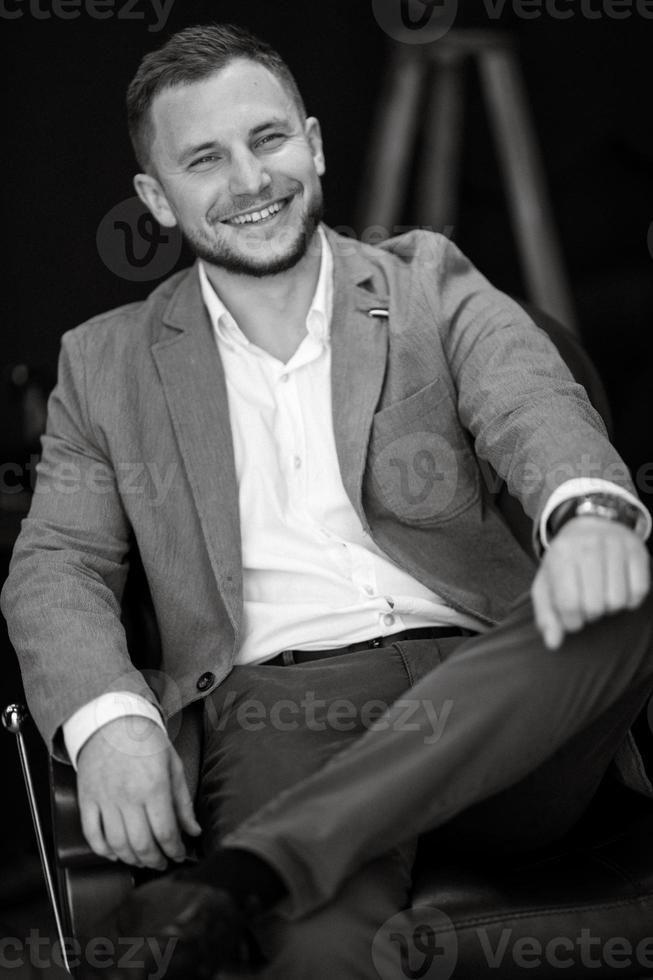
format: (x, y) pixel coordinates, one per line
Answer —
(271, 310)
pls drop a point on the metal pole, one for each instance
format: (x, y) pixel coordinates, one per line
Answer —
(13, 718)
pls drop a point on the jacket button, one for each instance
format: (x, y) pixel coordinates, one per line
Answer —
(205, 681)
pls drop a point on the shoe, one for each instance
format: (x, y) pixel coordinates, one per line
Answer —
(177, 928)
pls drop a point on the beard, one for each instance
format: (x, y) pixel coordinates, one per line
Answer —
(229, 257)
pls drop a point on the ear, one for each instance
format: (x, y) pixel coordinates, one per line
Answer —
(153, 197)
(314, 137)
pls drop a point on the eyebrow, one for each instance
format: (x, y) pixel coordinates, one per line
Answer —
(275, 121)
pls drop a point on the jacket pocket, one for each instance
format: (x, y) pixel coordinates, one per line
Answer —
(421, 468)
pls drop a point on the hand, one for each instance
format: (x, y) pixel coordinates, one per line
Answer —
(592, 567)
(133, 796)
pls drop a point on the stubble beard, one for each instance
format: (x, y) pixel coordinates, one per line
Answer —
(225, 256)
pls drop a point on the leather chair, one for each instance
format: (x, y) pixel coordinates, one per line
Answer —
(583, 906)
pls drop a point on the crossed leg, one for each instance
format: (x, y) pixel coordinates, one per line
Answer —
(518, 717)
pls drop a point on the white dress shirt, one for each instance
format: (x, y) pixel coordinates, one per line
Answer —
(312, 577)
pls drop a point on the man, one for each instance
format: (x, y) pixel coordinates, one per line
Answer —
(325, 539)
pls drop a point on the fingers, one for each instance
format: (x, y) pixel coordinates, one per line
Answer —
(589, 571)
(124, 835)
(128, 803)
(568, 597)
(111, 836)
(166, 832)
(182, 800)
(639, 576)
(93, 830)
(617, 585)
(151, 834)
(546, 617)
(557, 599)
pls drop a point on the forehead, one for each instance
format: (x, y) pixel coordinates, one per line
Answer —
(231, 101)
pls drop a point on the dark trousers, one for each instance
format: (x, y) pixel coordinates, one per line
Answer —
(332, 770)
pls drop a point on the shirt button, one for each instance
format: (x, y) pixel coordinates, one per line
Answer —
(369, 589)
(296, 462)
(205, 681)
(283, 378)
(388, 619)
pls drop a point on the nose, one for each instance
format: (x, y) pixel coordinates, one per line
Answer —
(248, 176)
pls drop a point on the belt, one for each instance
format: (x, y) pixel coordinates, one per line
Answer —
(288, 657)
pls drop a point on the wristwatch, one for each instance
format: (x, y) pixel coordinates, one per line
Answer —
(606, 505)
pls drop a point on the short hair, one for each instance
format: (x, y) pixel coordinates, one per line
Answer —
(190, 56)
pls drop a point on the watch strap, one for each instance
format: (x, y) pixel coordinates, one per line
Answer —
(605, 505)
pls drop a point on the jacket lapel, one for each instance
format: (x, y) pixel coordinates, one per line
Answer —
(359, 350)
(194, 385)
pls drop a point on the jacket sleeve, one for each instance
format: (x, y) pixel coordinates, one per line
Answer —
(516, 397)
(62, 597)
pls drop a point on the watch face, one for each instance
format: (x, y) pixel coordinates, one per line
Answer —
(613, 508)
(606, 505)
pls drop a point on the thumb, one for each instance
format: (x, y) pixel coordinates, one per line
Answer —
(181, 797)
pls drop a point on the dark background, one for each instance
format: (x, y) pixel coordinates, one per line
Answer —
(67, 163)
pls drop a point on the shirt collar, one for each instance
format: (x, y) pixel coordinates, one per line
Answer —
(318, 319)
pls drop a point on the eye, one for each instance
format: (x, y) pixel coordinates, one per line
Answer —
(271, 141)
(206, 160)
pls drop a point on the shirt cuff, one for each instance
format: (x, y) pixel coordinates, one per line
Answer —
(582, 485)
(87, 720)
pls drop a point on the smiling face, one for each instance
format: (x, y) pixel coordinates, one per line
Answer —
(237, 169)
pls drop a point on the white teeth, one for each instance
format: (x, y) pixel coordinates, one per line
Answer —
(248, 219)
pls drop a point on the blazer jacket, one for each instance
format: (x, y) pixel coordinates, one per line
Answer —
(438, 383)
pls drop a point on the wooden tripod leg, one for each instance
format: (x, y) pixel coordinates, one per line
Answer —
(391, 145)
(439, 169)
(525, 183)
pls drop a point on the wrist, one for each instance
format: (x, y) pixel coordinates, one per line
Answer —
(130, 735)
(604, 506)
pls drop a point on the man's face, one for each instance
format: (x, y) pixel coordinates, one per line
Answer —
(237, 169)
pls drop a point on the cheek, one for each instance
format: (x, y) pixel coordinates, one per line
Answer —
(198, 207)
(298, 164)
